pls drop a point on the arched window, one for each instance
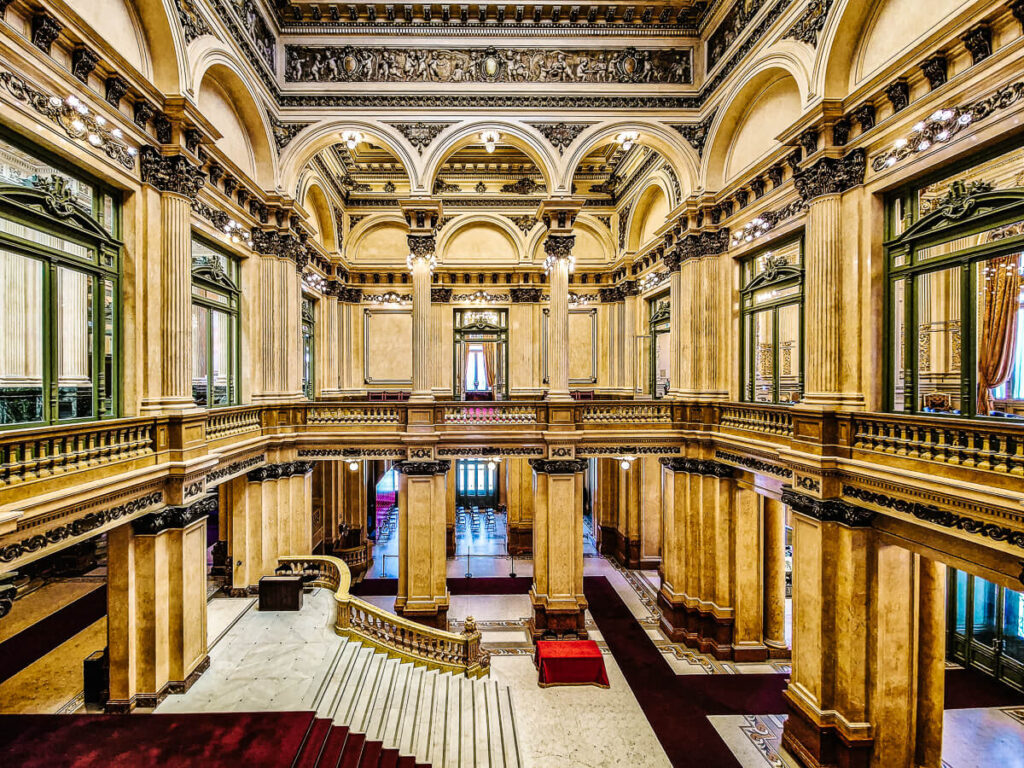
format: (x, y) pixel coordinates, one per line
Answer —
(60, 293)
(955, 303)
(772, 325)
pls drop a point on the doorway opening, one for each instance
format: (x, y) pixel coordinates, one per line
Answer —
(660, 317)
(382, 521)
(481, 517)
(985, 627)
(481, 354)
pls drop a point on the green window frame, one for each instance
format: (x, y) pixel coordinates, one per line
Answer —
(985, 627)
(944, 234)
(60, 252)
(772, 371)
(659, 323)
(309, 347)
(216, 323)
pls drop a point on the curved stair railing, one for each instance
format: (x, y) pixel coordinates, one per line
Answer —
(459, 653)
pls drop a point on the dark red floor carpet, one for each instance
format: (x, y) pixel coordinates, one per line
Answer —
(256, 740)
(520, 585)
(677, 706)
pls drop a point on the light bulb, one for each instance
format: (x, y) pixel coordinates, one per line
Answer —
(77, 125)
(890, 161)
(54, 101)
(132, 151)
(942, 135)
(923, 145)
(101, 120)
(965, 118)
(624, 464)
(353, 465)
(900, 143)
(72, 101)
(116, 133)
(491, 466)
(918, 127)
(95, 140)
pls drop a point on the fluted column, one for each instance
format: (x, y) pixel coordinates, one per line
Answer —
(630, 301)
(422, 217)
(673, 262)
(558, 216)
(178, 182)
(330, 342)
(821, 186)
(775, 576)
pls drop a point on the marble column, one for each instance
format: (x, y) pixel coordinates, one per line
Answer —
(330, 342)
(931, 663)
(558, 216)
(422, 217)
(673, 262)
(822, 185)
(630, 308)
(156, 605)
(775, 577)
(557, 593)
(178, 181)
(674, 555)
(823, 284)
(748, 587)
(422, 563)
(519, 490)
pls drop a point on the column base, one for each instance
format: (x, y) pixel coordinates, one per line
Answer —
(701, 630)
(436, 618)
(422, 397)
(520, 540)
(626, 551)
(551, 624)
(558, 397)
(821, 745)
(152, 700)
(609, 536)
(778, 650)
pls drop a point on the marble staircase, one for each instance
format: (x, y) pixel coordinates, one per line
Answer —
(416, 715)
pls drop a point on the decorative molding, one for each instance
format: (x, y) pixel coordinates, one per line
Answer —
(75, 124)
(422, 246)
(279, 471)
(316, 63)
(83, 62)
(978, 41)
(828, 510)
(440, 295)
(490, 450)
(45, 31)
(677, 190)
(898, 93)
(705, 467)
(755, 465)
(831, 176)
(285, 132)
(558, 466)
(423, 468)
(258, 30)
(811, 22)
(561, 135)
(420, 134)
(524, 223)
(442, 187)
(172, 518)
(8, 592)
(932, 514)
(935, 70)
(524, 294)
(729, 29)
(559, 246)
(597, 451)
(524, 186)
(79, 527)
(234, 468)
(192, 22)
(353, 453)
(170, 173)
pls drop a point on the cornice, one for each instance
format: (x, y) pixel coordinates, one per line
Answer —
(828, 510)
(172, 518)
(424, 468)
(558, 466)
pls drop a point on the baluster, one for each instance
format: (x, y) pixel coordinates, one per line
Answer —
(1016, 465)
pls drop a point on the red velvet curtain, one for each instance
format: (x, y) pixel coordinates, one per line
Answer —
(998, 326)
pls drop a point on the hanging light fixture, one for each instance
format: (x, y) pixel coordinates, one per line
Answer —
(351, 138)
(627, 139)
(353, 465)
(626, 462)
(490, 139)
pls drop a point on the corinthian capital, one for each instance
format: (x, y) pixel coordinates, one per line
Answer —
(559, 246)
(170, 173)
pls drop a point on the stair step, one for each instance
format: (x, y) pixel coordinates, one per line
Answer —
(351, 755)
(388, 758)
(314, 744)
(379, 698)
(437, 737)
(333, 746)
(371, 755)
(354, 682)
(392, 722)
(328, 699)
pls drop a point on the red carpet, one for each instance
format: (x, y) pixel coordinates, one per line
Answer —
(237, 740)
(569, 662)
(520, 585)
(677, 706)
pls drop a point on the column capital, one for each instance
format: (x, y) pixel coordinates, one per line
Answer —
(440, 295)
(828, 510)
(559, 215)
(559, 246)
(558, 466)
(421, 215)
(421, 468)
(174, 517)
(706, 467)
(170, 173)
(831, 175)
(524, 294)
(421, 246)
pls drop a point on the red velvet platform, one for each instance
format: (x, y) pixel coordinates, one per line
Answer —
(570, 662)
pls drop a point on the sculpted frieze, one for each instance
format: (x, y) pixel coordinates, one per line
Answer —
(335, 64)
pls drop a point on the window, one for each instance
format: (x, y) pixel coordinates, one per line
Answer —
(985, 627)
(477, 373)
(215, 324)
(955, 301)
(659, 327)
(772, 325)
(60, 295)
(308, 346)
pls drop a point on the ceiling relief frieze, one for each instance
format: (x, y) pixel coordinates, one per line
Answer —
(313, 64)
(420, 134)
(561, 135)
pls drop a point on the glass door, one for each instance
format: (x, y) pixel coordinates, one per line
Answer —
(985, 626)
(481, 354)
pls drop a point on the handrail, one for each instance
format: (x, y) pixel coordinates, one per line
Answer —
(401, 638)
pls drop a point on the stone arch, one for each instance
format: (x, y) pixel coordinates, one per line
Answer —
(317, 137)
(769, 95)
(676, 151)
(492, 231)
(316, 203)
(860, 38)
(223, 91)
(649, 213)
(522, 137)
(378, 239)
